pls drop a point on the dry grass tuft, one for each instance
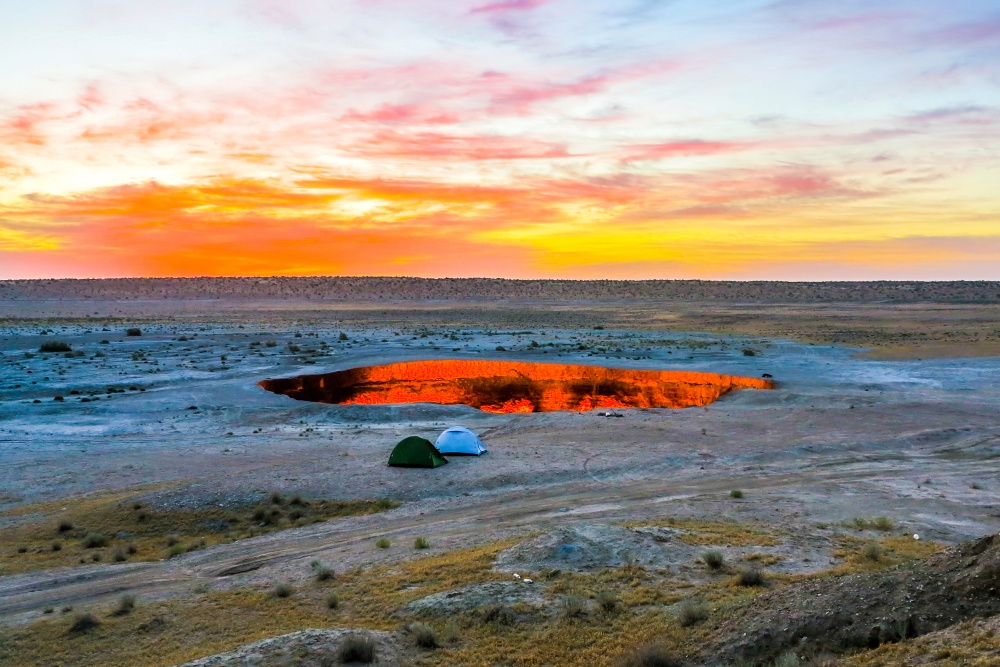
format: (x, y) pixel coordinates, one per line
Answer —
(356, 648)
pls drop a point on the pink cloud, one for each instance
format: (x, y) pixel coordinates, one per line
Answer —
(450, 147)
(686, 148)
(507, 6)
(391, 114)
(964, 34)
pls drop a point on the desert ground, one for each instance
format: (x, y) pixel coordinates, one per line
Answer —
(159, 508)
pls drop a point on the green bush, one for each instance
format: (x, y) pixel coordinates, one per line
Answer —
(55, 346)
(332, 600)
(283, 591)
(713, 559)
(383, 543)
(883, 523)
(324, 573)
(736, 493)
(421, 543)
(691, 613)
(95, 540)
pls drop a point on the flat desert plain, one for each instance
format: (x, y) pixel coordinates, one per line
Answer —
(158, 507)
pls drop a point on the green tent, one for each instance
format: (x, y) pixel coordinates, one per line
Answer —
(416, 452)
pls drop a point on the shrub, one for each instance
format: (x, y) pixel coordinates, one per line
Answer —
(332, 600)
(172, 540)
(872, 552)
(860, 524)
(343, 336)
(749, 576)
(383, 543)
(736, 493)
(57, 546)
(176, 550)
(573, 606)
(283, 591)
(55, 346)
(608, 602)
(452, 633)
(133, 331)
(298, 501)
(691, 613)
(276, 498)
(421, 543)
(84, 623)
(499, 614)
(65, 526)
(356, 648)
(126, 604)
(96, 556)
(324, 573)
(649, 656)
(95, 540)
(423, 635)
(385, 504)
(883, 523)
(713, 559)
(119, 555)
(132, 549)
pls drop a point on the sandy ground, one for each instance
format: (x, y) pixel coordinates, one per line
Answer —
(841, 437)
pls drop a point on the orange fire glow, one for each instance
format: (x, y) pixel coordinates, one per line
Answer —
(512, 387)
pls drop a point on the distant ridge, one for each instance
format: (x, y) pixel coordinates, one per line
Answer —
(474, 289)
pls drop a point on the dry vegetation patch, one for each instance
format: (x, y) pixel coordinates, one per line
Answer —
(120, 528)
(697, 532)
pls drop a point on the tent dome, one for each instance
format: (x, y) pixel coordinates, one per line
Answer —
(460, 440)
(416, 452)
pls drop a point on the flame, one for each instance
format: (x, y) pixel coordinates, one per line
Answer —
(512, 387)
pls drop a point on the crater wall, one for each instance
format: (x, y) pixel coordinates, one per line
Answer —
(511, 386)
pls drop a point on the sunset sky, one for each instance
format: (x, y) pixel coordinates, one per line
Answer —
(782, 139)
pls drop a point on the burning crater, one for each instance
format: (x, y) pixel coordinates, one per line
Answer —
(508, 386)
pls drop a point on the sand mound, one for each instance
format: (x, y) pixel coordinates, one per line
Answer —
(307, 648)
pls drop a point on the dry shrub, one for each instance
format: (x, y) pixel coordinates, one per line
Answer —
(423, 635)
(356, 648)
(691, 613)
(83, 623)
(650, 656)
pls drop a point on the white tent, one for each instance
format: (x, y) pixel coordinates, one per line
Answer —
(459, 440)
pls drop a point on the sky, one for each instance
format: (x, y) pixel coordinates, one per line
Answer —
(745, 139)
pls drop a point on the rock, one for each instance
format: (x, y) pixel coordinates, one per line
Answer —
(306, 648)
(505, 593)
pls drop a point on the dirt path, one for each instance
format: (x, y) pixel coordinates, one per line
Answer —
(452, 523)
